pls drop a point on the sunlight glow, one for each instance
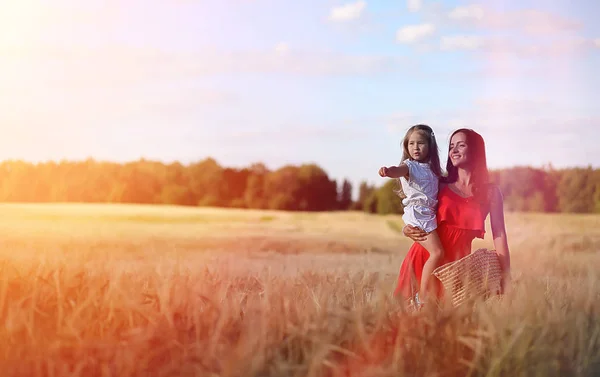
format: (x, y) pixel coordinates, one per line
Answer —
(19, 23)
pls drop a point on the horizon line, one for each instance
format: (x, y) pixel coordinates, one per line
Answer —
(544, 166)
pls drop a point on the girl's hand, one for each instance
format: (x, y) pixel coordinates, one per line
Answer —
(414, 233)
(383, 171)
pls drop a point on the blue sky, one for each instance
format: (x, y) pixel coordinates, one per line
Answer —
(289, 82)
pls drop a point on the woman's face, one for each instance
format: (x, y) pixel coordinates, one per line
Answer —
(459, 150)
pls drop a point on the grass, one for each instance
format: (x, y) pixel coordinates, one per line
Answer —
(396, 226)
(294, 295)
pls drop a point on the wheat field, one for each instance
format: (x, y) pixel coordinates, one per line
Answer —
(116, 290)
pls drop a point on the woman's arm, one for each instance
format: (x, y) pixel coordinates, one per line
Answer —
(394, 171)
(499, 233)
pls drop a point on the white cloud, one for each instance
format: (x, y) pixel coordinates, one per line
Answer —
(461, 42)
(113, 66)
(348, 12)
(414, 33)
(502, 46)
(414, 5)
(467, 13)
(282, 48)
(597, 42)
(530, 21)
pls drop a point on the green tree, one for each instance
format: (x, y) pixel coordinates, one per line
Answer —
(254, 195)
(576, 190)
(596, 180)
(281, 189)
(177, 194)
(205, 178)
(315, 190)
(365, 197)
(526, 188)
(388, 201)
(345, 195)
(140, 183)
(306, 187)
(300, 188)
(233, 186)
(370, 203)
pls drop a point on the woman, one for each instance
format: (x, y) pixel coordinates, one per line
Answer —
(465, 198)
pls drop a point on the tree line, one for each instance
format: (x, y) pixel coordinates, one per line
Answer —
(304, 187)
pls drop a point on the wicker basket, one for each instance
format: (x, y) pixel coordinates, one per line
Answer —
(476, 275)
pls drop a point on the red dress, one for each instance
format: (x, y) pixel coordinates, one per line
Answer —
(459, 220)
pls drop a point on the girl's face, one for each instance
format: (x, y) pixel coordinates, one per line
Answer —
(459, 150)
(418, 146)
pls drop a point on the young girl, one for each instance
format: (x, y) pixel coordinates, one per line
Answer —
(419, 174)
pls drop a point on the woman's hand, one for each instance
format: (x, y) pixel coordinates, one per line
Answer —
(383, 171)
(505, 282)
(414, 233)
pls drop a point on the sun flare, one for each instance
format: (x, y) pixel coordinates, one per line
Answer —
(19, 23)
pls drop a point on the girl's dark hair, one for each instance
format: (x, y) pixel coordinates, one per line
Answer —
(477, 161)
(433, 156)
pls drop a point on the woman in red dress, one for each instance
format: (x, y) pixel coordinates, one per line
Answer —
(464, 200)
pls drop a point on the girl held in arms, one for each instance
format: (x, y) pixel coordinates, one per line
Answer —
(419, 174)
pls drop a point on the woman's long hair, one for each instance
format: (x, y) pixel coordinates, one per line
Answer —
(477, 161)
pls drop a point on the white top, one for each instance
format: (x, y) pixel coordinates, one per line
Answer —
(422, 185)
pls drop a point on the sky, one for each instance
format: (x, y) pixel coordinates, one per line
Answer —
(331, 82)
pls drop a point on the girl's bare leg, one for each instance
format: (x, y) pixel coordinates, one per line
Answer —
(434, 246)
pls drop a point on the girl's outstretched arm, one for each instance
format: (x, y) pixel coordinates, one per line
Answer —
(394, 171)
(499, 233)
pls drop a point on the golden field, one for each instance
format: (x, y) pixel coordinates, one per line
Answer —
(116, 290)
